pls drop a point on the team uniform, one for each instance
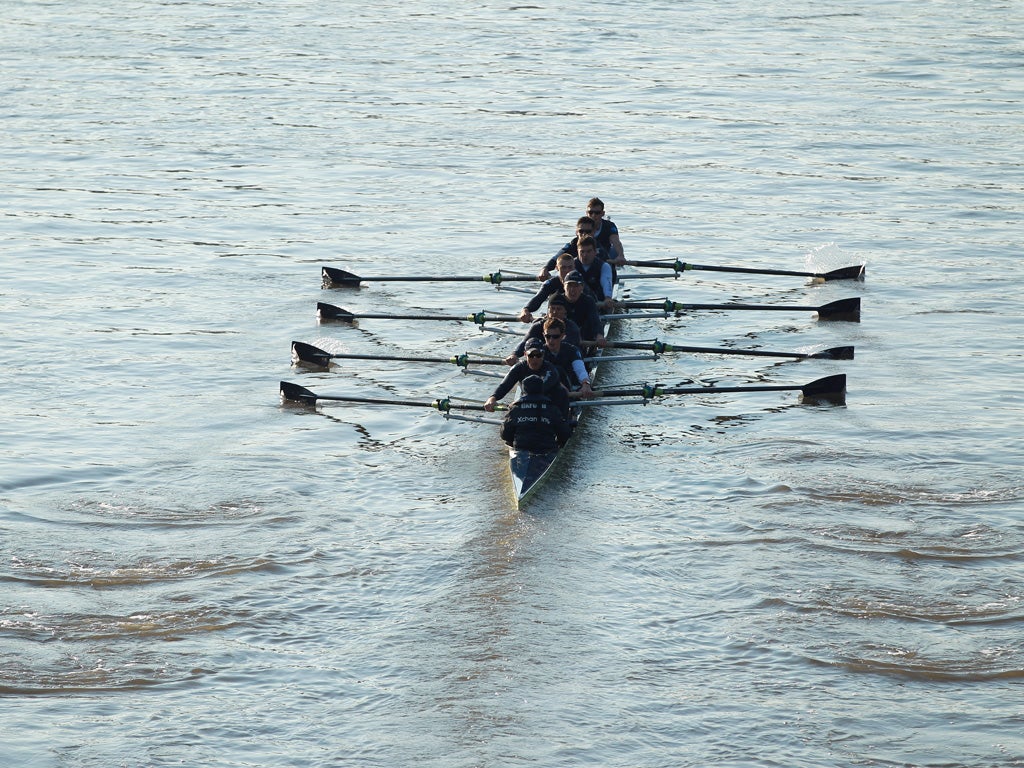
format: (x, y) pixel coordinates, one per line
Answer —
(551, 380)
(597, 277)
(603, 236)
(584, 313)
(535, 424)
(569, 362)
(572, 335)
(550, 287)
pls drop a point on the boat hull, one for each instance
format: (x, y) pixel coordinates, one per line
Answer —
(527, 468)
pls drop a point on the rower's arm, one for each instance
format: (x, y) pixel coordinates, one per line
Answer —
(580, 370)
(511, 379)
(538, 299)
(620, 255)
(606, 281)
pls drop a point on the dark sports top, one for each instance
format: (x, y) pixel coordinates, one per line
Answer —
(535, 424)
(536, 331)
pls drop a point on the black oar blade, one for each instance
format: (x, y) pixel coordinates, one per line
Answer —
(831, 389)
(334, 277)
(331, 312)
(297, 394)
(834, 353)
(846, 273)
(844, 309)
(310, 355)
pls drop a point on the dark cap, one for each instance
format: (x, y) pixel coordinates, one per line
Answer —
(558, 300)
(573, 277)
(533, 344)
(533, 385)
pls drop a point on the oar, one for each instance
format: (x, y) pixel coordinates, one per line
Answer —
(832, 388)
(331, 312)
(844, 273)
(299, 394)
(660, 347)
(340, 277)
(844, 309)
(307, 353)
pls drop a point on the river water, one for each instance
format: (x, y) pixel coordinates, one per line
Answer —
(196, 574)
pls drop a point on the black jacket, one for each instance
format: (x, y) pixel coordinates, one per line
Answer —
(535, 424)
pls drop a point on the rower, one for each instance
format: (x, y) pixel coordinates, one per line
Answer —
(583, 310)
(584, 226)
(550, 287)
(534, 423)
(606, 234)
(567, 359)
(597, 273)
(558, 308)
(533, 363)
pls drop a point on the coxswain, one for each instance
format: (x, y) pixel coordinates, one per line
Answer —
(533, 362)
(583, 310)
(567, 359)
(558, 308)
(534, 423)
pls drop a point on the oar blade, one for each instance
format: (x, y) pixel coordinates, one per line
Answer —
(856, 272)
(331, 312)
(334, 277)
(834, 353)
(295, 393)
(830, 389)
(307, 354)
(845, 310)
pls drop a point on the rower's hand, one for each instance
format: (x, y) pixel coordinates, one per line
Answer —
(601, 341)
(619, 261)
(586, 390)
(544, 274)
(511, 360)
(526, 316)
(490, 403)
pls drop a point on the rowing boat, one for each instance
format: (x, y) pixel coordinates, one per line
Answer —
(529, 470)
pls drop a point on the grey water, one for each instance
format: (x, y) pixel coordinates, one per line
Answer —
(197, 574)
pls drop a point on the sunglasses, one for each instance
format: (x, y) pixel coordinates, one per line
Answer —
(595, 211)
(535, 354)
(553, 335)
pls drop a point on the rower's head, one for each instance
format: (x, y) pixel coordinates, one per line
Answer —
(586, 250)
(564, 265)
(534, 354)
(573, 283)
(554, 332)
(558, 307)
(595, 210)
(584, 226)
(533, 385)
